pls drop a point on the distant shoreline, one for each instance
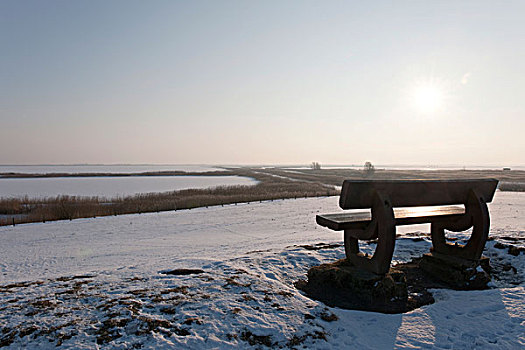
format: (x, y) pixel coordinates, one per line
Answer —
(12, 175)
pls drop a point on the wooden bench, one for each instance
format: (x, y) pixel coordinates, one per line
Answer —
(454, 205)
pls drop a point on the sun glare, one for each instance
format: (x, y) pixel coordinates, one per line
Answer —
(427, 98)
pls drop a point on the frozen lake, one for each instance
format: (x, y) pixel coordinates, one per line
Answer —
(112, 186)
(125, 168)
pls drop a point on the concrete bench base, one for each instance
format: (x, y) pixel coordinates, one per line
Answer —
(458, 273)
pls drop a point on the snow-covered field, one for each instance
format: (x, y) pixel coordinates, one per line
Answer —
(111, 186)
(104, 282)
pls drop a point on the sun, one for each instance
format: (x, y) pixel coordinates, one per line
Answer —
(427, 98)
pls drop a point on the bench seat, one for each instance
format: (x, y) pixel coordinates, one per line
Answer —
(359, 219)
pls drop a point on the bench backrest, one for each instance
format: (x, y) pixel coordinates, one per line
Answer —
(359, 194)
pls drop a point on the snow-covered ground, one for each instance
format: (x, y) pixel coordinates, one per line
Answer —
(111, 186)
(102, 282)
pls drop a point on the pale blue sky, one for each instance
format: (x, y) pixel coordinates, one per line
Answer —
(245, 82)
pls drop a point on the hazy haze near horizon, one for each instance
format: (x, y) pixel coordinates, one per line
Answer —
(235, 82)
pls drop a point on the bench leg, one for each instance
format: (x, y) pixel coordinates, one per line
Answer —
(379, 263)
(477, 217)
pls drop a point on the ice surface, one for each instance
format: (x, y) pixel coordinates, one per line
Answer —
(250, 254)
(111, 186)
(44, 169)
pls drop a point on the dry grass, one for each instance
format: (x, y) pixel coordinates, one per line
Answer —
(512, 186)
(509, 180)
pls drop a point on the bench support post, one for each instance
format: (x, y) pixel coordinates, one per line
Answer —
(384, 229)
(477, 217)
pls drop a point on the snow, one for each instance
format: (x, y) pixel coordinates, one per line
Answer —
(100, 280)
(111, 186)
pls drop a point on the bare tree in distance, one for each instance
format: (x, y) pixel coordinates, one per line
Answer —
(369, 169)
(315, 166)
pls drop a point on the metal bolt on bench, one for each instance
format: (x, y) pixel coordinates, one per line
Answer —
(454, 205)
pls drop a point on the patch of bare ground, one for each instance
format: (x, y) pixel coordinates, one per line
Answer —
(71, 278)
(182, 272)
(254, 339)
(319, 246)
(298, 340)
(8, 287)
(234, 282)
(328, 316)
(57, 333)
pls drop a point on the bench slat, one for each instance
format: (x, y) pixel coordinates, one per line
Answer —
(359, 194)
(403, 216)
